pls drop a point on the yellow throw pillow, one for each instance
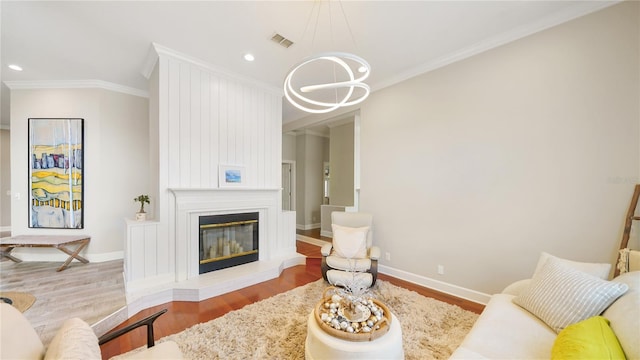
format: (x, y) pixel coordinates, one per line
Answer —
(588, 339)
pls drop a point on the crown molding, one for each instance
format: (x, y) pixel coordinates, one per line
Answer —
(158, 51)
(584, 8)
(150, 62)
(76, 84)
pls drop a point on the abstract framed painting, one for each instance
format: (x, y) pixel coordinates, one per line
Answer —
(56, 173)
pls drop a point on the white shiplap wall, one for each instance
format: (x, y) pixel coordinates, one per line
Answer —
(211, 119)
(201, 118)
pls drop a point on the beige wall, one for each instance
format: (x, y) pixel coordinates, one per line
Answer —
(341, 158)
(311, 153)
(533, 146)
(300, 182)
(5, 179)
(289, 147)
(116, 165)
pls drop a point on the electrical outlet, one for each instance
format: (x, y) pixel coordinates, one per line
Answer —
(440, 269)
(387, 256)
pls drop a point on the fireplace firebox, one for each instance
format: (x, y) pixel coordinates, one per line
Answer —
(228, 240)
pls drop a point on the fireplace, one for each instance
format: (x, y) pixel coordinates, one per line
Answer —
(227, 240)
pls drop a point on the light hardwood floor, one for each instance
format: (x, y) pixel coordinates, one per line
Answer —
(90, 291)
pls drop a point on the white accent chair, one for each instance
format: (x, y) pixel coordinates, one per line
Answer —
(341, 271)
(74, 340)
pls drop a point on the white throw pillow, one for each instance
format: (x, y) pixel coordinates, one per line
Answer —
(560, 295)
(600, 270)
(350, 242)
(74, 341)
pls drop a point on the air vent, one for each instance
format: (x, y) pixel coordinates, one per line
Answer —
(283, 41)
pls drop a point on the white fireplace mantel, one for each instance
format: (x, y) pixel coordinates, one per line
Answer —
(146, 286)
(190, 204)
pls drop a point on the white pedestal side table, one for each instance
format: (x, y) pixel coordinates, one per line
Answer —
(319, 345)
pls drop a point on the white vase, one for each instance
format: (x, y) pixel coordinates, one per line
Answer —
(141, 216)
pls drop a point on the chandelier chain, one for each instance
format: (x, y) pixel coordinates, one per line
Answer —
(346, 20)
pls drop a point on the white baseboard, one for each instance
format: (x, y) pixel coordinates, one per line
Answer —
(310, 240)
(158, 298)
(307, 226)
(114, 255)
(441, 286)
(437, 285)
(105, 325)
(326, 233)
(5, 228)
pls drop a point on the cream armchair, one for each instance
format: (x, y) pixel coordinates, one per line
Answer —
(74, 340)
(350, 259)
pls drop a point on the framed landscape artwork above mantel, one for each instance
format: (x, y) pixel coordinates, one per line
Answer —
(56, 178)
(232, 176)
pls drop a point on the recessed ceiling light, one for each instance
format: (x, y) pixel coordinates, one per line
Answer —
(15, 67)
(249, 57)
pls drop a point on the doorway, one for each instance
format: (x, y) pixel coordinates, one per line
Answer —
(303, 143)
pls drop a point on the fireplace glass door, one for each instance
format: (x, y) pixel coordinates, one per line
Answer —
(228, 240)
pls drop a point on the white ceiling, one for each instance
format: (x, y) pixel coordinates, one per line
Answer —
(110, 40)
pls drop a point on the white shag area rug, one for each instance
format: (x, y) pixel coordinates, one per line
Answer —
(276, 328)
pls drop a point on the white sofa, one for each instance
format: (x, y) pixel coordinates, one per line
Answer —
(74, 341)
(506, 330)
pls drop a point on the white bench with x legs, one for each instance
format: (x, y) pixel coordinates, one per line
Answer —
(59, 242)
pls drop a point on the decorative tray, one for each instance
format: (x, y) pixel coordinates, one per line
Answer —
(352, 319)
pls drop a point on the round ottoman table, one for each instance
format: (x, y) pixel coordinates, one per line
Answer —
(320, 345)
